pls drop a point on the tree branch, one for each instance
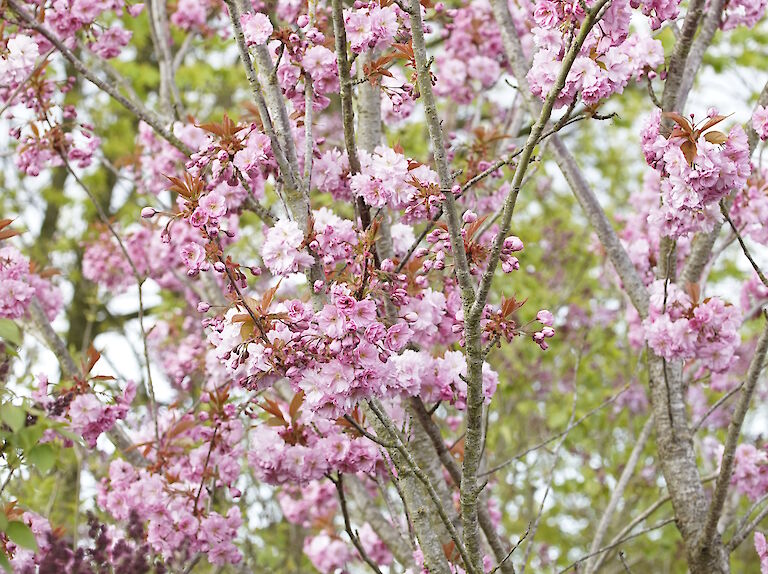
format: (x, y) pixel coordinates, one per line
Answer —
(618, 256)
(742, 534)
(339, 483)
(384, 419)
(486, 523)
(732, 440)
(137, 108)
(641, 517)
(69, 369)
(618, 491)
(613, 545)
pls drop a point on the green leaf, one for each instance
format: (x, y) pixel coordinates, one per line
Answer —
(30, 436)
(42, 456)
(13, 416)
(10, 332)
(6, 565)
(3, 521)
(21, 534)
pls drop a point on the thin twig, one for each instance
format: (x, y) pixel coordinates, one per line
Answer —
(139, 282)
(137, 108)
(624, 562)
(613, 545)
(755, 266)
(618, 491)
(716, 406)
(732, 439)
(555, 460)
(386, 421)
(368, 435)
(742, 534)
(643, 516)
(554, 437)
(10, 97)
(512, 550)
(339, 483)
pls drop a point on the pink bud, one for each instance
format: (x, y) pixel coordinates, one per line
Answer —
(469, 216)
(513, 243)
(203, 307)
(545, 317)
(136, 9)
(148, 212)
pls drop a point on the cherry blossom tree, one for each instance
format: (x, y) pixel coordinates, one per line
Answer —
(386, 285)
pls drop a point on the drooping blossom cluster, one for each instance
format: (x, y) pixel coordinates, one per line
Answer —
(750, 467)
(679, 326)
(125, 552)
(300, 448)
(742, 13)
(388, 178)
(256, 28)
(694, 172)
(640, 235)
(473, 55)
(327, 553)
(20, 285)
(196, 450)
(608, 60)
(761, 547)
(300, 358)
(48, 131)
(85, 412)
(750, 471)
(180, 350)
(308, 504)
(659, 11)
(342, 354)
(760, 122)
(283, 251)
(90, 418)
(749, 210)
(370, 26)
(19, 60)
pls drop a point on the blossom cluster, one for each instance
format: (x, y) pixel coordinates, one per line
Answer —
(388, 178)
(473, 55)
(742, 13)
(171, 499)
(343, 353)
(20, 285)
(370, 26)
(608, 60)
(750, 471)
(681, 327)
(19, 60)
(761, 546)
(693, 175)
(659, 11)
(125, 551)
(85, 413)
